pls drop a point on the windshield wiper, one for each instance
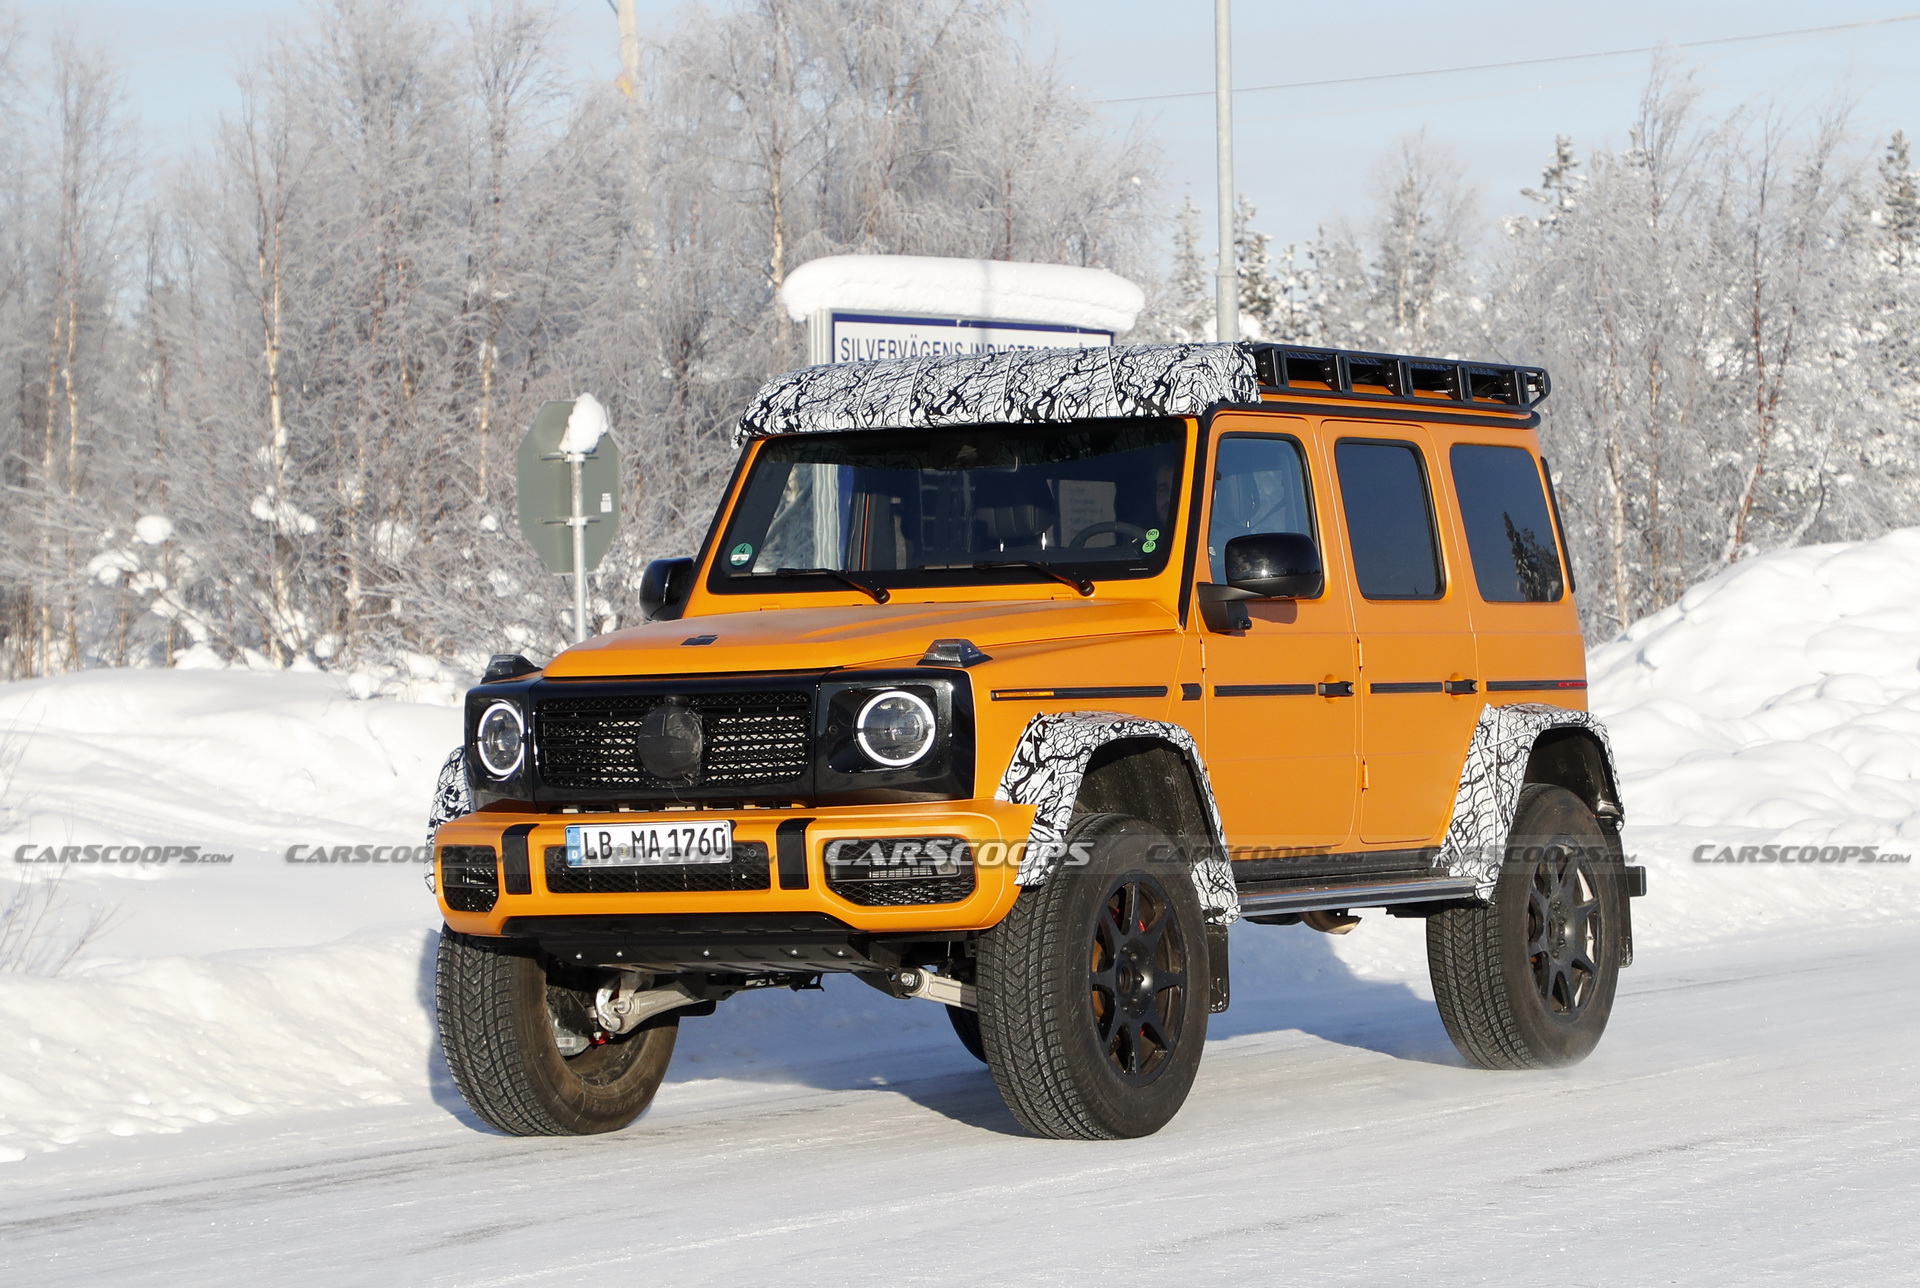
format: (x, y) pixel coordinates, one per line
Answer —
(1080, 584)
(880, 593)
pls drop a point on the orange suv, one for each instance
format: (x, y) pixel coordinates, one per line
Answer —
(1010, 682)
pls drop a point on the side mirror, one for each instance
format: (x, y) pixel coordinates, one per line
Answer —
(663, 588)
(1275, 565)
(1261, 565)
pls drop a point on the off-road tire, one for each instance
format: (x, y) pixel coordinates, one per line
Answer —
(966, 1027)
(497, 1031)
(1059, 1065)
(1507, 1000)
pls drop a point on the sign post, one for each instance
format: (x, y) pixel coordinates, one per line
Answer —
(568, 501)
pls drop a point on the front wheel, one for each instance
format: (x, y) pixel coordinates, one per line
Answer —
(1093, 990)
(1528, 982)
(524, 1051)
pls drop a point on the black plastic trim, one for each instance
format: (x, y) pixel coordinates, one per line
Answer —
(790, 852)
(1408, 686)
(516, 873)
(1534, 686)
(1265, 690)
(1085, 691)
(1321, 867)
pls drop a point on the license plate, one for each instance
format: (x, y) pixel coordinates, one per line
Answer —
(643, 845)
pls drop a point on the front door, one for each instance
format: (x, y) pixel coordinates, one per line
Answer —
(1280, 718)
(1417, 696)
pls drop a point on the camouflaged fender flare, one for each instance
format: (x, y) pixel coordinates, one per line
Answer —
(452, 793)
(1491, 779)
(1046, 771)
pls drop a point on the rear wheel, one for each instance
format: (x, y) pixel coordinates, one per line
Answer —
(1093, 990)
(523, 1047)
(1528, 982)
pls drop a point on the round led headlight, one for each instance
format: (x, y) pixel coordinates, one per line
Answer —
(500, 739)
(895, 728)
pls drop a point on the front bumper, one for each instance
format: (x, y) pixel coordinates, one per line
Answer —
(796, 884)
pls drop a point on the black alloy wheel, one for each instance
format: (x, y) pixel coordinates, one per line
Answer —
(1138, 979)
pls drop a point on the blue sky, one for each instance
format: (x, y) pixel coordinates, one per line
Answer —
(1306, 156)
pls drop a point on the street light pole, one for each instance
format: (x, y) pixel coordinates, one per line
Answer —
(629, 49)
(1226, 304)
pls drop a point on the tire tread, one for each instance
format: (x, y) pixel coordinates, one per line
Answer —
(474, 1008)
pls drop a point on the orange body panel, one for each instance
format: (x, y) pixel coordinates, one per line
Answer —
(1290, 770)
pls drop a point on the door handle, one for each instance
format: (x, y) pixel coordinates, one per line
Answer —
(1336, 689)
(1461, 686)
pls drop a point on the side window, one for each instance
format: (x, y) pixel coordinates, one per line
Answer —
(1383, 488)
(1516, 559)
(1259, 485)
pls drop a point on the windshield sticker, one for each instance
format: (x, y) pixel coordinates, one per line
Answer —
(740, 554)
(1152, 541)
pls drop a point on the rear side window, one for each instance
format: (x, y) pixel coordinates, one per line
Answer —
(1516, 559)
(1383, 488)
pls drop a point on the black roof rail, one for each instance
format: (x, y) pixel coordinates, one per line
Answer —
(1397, 377)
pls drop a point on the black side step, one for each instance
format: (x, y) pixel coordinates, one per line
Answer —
(1262, 898)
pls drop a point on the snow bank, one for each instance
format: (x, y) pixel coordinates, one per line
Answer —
(161, 1045)
(989, 289)
(161, 1023)
(221, 758)
(1776, 704)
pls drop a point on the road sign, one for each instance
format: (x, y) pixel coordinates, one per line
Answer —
(568, 502)
(545, 492)
(834, 336)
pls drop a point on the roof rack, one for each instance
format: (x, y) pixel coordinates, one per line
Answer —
(1394, 377)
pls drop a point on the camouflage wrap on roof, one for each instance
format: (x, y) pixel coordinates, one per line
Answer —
(1020, 386)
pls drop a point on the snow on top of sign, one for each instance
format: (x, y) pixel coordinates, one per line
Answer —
(986, 289)
(586, 425)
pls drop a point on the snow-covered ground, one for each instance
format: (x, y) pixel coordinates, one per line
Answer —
(175, 1112)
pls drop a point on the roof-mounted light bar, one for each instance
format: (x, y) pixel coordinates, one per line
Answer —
(1396, 377)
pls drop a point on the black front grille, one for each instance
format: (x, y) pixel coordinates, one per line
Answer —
(902, 891)
(756, 742)
(749, 870)
(470, 877)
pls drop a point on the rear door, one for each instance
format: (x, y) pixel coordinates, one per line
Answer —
(1525, 626)
(1280, 718)
(1418, 698)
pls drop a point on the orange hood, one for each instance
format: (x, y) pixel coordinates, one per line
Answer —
(816, 639)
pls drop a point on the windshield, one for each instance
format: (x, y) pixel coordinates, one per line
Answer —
(930, 507)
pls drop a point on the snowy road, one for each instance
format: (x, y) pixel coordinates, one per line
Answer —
(1753, 1114)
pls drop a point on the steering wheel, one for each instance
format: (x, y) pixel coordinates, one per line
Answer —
(1131, 531)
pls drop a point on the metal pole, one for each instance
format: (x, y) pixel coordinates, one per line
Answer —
(1226, 303)
(629, 49)
(579, 525)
